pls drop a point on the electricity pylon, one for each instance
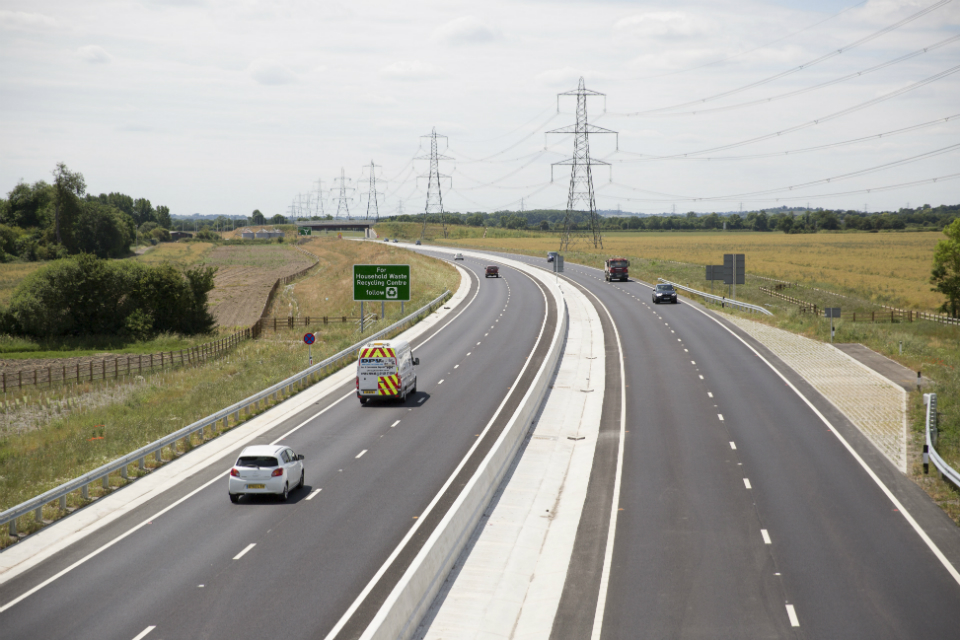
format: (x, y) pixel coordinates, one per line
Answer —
(372, 194)
(342, 204)
(580, 196)
(434, 194)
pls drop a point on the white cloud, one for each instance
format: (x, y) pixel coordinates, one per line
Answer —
(412, 70)
(24, 20)
(465, 30)
(669, 25)
(377, 100)
(567, 77)
(94, 54)
(271, 72)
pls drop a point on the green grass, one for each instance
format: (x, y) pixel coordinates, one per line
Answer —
(19, 347)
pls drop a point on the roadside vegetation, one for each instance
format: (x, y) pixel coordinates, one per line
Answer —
(856, 272)
(58, 434)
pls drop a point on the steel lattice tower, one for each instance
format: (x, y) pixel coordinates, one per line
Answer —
(434, 194)
(342, 204)
(319, 208)
(372, 194)
(580, 196)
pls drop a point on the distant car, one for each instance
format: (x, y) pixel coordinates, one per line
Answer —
(418, 242)
(394, 239)
(458, 256)
(551, 255)
(664, 293)
(386, 239)
(265, 469)
(493, 271)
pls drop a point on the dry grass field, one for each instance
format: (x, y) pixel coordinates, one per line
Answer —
(184, 253)
(887, 268)
(11, 274)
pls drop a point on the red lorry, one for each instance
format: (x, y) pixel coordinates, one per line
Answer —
(616, 269)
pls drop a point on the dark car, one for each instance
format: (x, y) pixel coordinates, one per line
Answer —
(551, 255)
(386, 239)
(418, 242)
(664, 293)
(394, 239)
(493, 271)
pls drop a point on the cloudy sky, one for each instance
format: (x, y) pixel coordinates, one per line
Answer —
(221, 106)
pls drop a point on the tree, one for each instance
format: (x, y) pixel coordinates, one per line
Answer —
(785, 223)
(143, 211)
(27, 205)
(946, 269)
(278, 219)
(103, 231)
(257, 218)
(68, 188)
(163, 217)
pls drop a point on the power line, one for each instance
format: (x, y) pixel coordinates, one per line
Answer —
(342, 203)
(822, 85)
(801, 67)
(434, 193)
(886, 134)
(580, 195)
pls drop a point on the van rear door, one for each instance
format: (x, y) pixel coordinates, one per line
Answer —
(376, 374)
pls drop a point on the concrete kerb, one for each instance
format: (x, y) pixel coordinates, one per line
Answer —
(413, 595)
(35, 548)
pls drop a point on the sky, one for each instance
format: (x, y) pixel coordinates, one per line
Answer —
(222, 107)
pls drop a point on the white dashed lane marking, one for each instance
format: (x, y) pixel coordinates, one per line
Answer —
(792, 614)
(441, 382)
(746, 483)
(766, 536)
(720, 415)
(394, 424)
(245, 550)
(143, 634)
(733, 445)
(361, 453)
(313, 493)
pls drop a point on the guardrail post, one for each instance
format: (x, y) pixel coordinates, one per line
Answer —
(158, 455)
(38, 515)
(106, 481)
(123, 472)
(12, 530)
(142, 464)
(85, 492)
(63, 506)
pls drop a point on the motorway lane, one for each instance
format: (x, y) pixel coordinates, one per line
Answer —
(312, 557)
(698, 553)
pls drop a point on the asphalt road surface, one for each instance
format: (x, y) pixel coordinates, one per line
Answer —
(741, 514)
(260, 568)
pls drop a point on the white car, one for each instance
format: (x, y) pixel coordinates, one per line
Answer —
(458, 256)
(266, 468)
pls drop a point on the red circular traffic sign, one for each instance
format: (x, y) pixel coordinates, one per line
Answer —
(309, 338)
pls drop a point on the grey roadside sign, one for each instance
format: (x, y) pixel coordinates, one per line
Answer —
(381, 282)
(832, 312)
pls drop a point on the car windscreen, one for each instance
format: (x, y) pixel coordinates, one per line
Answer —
(664, 287)
(257, 461)
(619, 263)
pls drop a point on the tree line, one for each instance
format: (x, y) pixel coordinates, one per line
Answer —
(46, 221)
(781, 219)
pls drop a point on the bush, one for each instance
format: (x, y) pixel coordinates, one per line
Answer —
(85, 295)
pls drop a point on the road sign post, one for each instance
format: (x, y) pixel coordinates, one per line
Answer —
(380, 283)
(832, 312)
(308, 339)
(734, 271)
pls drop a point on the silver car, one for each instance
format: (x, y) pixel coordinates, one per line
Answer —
(265, 468)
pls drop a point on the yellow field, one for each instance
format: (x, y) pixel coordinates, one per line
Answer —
(184, 253)
(12, 274)
(888, 266)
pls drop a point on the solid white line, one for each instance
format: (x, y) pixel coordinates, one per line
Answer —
(720, 415)
(733, 445)
(361, 453)
(143, 634)
(766, 536)
(792, 614)
(746, 483)
(313, 493)
(244, 552)
(611, 532)
(394, 424)
(856, 456)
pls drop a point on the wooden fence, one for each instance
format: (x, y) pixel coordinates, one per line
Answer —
(277, 323)
(113, 367)
(259, 325)
(804, 306)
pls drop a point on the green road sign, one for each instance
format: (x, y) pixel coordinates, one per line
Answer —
(381, 282)
(304, 231)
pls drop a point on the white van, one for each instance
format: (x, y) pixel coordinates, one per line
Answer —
(385, 369)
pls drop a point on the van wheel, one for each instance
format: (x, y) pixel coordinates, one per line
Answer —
(363, 401)
(414, 390)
